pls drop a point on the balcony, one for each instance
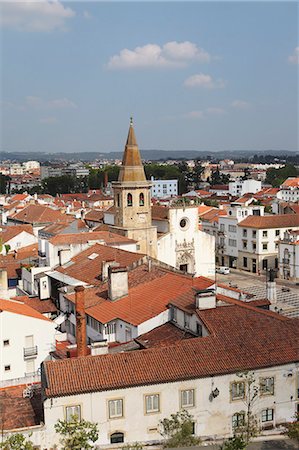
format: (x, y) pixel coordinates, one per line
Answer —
(30, 352)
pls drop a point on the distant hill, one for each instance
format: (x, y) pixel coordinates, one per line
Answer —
(146, 154)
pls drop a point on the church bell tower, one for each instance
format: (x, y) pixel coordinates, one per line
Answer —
(132, 199)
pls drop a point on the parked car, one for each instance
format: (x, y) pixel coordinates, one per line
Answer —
(223, 270)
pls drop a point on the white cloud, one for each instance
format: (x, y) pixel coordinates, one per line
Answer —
(48, 120)
(170, 55)
(240, 104)
(204, 81)
(37, 16)
(194, 115)
(294, 58)
(59, 103)
(216, 111)
(87, 15)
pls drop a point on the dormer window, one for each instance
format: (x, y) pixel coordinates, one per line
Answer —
(129, 200)
(141, 199)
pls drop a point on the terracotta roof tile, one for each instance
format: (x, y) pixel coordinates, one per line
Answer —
(89, 270)
(149, 295)
(40, 214)
(164, 335)
(271, 221)
(42, 306)
(10, 232)
(80, 238)
(243, 339)
(21, 308)
(291, 182)
(160, 212)
(17, 411)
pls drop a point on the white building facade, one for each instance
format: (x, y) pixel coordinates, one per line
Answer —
(164, 188)
(240, 187)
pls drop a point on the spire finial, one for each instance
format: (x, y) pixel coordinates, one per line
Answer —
(131, 121)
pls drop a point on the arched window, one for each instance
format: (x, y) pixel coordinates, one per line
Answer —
(129, 200)
(141, 199)
(116, 438)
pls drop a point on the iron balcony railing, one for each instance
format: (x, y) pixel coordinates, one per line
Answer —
(30, 351)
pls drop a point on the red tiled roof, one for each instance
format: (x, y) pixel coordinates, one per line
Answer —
(242, 339)
(164, 335)
(10, 232)
(40, 214)
(95, 215)
(42, 306)
(141, 305)
(291, 182)
(21, 308)
(271, 221)
(213, 215)
(89, 270)
(17, 411)
(18, 197)
(160, 212)
(80, 238)
(219, 187)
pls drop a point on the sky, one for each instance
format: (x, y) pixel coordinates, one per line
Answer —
(193, 75)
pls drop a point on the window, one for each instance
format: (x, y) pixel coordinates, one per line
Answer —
(186, 320)
(244, 244)
(277, 232)
(115, 408)
(173, 314)
(267, 386)
(152, 403)
(7, 368)
(71, 412)
(116, 438)
(253, 246)
(6, 342)
(244, 262)
(265, 233)
(238, 420)
(187, 398)
(265, 246)
(267, 415)
(237, 390)
(110, 328)
(222, 227)
(93, 323)
(245, 233)
(141, 199)
(118, 200)
(254, 233)
(129, 200)
(232, 228)
(232, 242)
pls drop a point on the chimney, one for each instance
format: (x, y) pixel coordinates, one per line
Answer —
(99, 348)
(271, 287)
(80, 321)
(205, 299)
(105, 268)
(117, 283)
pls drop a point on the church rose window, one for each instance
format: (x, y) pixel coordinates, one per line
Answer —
(184, 223)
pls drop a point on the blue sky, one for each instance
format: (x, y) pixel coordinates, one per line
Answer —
(197, 76)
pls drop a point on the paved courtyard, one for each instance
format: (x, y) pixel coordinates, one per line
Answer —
(287, 292)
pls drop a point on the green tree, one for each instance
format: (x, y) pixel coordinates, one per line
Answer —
(17, 442)
(276, 177)
(249, 428)
(66, 184)
(292, 429)
(77, 434)
(178, 430)
(234, 443)
(4, 180)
